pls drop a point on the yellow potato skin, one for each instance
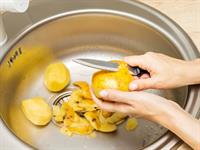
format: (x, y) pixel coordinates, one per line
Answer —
(112, 80)
(74, 123)
(85, 89)
(98, 124)
(56, 77)
(37, 111)
(93, 118)
(131, 124)
(106, 127)
(80, 115)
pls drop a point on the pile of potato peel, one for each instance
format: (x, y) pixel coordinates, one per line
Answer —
(80, 115)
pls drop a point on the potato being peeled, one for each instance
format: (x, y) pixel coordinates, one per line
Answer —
(112, 80)
(56, 77)
(37, 111)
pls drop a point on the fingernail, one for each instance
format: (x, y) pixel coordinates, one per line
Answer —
(133, 86)
(103, 93)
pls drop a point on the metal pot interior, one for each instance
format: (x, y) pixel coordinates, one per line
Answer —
(89, 35)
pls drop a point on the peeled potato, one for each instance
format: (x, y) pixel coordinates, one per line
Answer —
(131, 124)
(56, 77)
(112, 80)
(37, 111)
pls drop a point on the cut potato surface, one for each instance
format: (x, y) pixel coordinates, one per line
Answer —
(36, 110)
(56, 77)
(112, 80)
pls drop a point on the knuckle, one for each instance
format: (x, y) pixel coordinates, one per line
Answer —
(149, 53)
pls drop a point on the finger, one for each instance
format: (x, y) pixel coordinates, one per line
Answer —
(116, 96)
(142, 84)
(137, 60)
(145, 76)
(113, 107)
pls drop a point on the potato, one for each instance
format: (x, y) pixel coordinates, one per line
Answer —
(37, 111)
(56, 77)
(131, 124)
(112, 80)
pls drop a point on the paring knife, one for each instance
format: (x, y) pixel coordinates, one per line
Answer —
(107, 65)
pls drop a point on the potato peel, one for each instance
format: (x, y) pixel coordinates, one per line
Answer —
(80, 115)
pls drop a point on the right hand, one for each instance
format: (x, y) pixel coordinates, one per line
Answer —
(154, 108)
(165, 72)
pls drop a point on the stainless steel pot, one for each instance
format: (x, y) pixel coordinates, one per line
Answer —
(61, 30)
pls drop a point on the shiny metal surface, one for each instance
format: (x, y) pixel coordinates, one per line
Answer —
(97, 64)
(108, 65)
(98, 29)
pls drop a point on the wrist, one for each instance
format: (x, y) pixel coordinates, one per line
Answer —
(182, 124)
(169, 115)
(190, 72)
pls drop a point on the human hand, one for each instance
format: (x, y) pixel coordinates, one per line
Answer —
(140, 104)
(165, 72)
(154, 108)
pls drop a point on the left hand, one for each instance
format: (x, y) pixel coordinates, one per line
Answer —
(137, 103)
(155, 108)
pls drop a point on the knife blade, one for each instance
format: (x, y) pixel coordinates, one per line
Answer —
(108, 65)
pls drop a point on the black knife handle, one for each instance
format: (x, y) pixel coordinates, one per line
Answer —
(137, 71)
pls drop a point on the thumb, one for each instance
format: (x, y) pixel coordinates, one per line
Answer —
(116, 96)
(142, 84)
